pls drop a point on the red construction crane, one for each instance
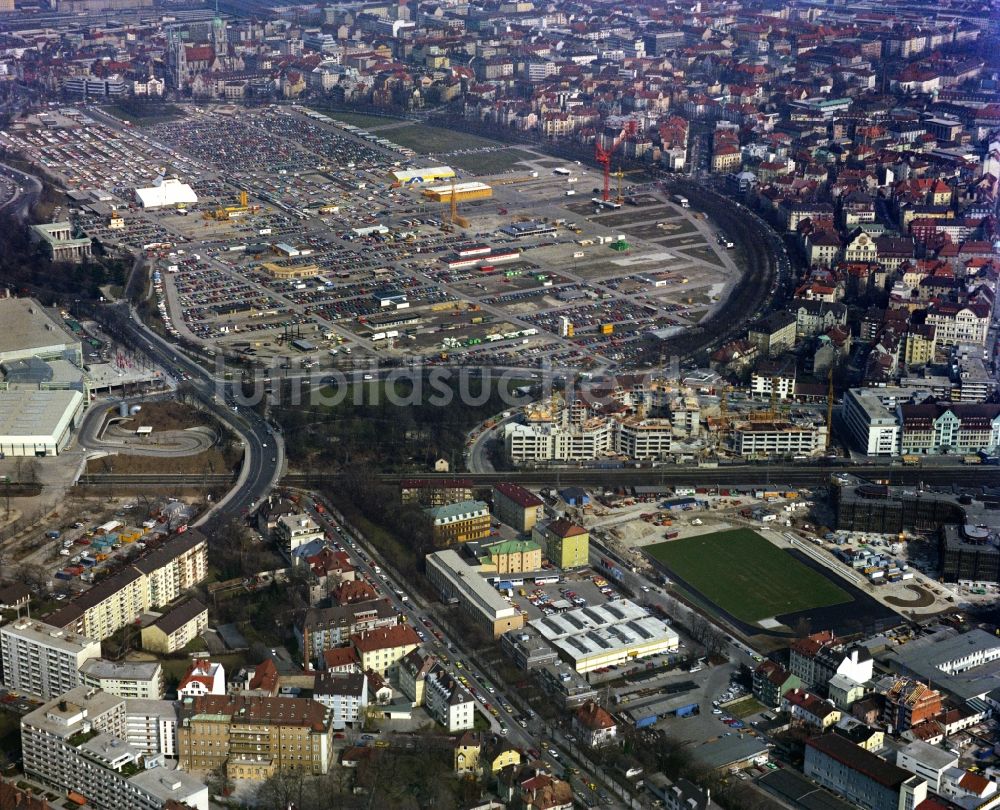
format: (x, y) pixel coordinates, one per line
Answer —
(603, 156)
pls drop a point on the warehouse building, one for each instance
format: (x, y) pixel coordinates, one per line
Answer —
(165, 192)
(463, 192)
(36, 422)
(606, 635)
(412, 177)
(463, 584)
(32, 331)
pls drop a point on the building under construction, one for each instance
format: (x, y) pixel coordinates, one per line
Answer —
(463, 192)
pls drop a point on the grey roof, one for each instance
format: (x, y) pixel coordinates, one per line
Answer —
(28, 325)
(925, 657)
(179, 616)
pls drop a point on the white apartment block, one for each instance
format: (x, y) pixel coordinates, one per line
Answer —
(954, 324)
(292, 531)
(870, 417)
(447, 701)
(645, 439)
(558, 442)
(764, 439)
(345, 694)
(128, 679)
(151, 726)
(43, 660)
(77, 743)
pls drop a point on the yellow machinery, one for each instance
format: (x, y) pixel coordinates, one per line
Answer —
(223, 214)
(455, 219)
(506, 181)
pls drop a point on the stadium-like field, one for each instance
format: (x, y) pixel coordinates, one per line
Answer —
(746, 576)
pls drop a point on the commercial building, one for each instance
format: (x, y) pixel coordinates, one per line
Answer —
(946, 428)
(164, 193)
(380, 650)
(463, 583)
(411, 177)
(31, 331)
(929, 762)
(254, 737)
(43, 660)
(969, 553)
(326, 628)
(877, 508)
(37, 421)
(460, 522)
(155, 579)
(959, 323)
(863, 778)
(516, 506)
(528, 649)
(59, 242)
(125, 679)
(462, 192)
(558, 442)
(76, 745)
(870, 418)
(965, 665)
(606, 635)
(566, 544)
(176, 628)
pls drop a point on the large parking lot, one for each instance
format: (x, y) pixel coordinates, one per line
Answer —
(300, 233)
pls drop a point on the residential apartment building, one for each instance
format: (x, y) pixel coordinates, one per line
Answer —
(125, 679)
(959, 323)
(943, 427)
(381, 649)
(566, 544)
(927, 761)
(447, 701)
(514, 556)
(345, 694)
(155, 579)
(773, 334)
(76, 745)
(558, 442)
(765, 439)
(644, 439)
(463, 584)
(42, 660)
(771, 681)
(516, 506)
(870, 418)
(908, 703)
(808, 709)
(203, 677)
(151, 725)
(435, 491)
(176, 628)
(864, 779)
(460, 522)
(254, 737)
(327, 628)
(292, 531)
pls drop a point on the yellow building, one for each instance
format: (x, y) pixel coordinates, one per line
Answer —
(290, 271)
(514, 556)
(566, 544)
(463, 192)
(474, 754)
(175, 629)
(254, 737)
(460, 522)
(919, 346)
(155, 579)
(381, 650)
(516, 506)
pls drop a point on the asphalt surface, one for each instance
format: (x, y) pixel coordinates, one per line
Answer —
(263, 450)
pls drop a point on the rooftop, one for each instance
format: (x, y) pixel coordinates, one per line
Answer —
(858, 759)
(176, 618)
(29, 326)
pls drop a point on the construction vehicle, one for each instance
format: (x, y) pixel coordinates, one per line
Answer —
(603, 156)
(221, 214)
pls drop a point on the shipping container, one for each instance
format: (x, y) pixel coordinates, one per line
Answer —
(646, 722)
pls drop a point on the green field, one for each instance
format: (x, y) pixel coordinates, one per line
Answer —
(747, 576)
(425, 139)
(488, 162)
(357, 119)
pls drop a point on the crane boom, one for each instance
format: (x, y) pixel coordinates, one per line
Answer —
(603, 156)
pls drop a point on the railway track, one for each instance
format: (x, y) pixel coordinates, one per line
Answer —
(775, 476)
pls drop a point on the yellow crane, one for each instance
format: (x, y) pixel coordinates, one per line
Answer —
(462, 222)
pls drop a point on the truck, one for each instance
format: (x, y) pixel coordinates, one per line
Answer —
(571, 193)
(682, 201)
(911, 460)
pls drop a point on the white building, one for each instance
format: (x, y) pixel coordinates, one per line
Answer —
(447, 701)
(645, 439)
(344, 693)
(38, 422)
(43, 660)
(151, 726)
(929, 762)
(77, 744)
(202, 678)
(127, 679)
(606, 635)
(292, 531)
(31, 331)
(764, 439)
(166, 192)
(870, 417)
(559, 442)
(954, 324)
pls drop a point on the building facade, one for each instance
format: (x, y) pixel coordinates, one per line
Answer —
(460, 522)
(43, 660)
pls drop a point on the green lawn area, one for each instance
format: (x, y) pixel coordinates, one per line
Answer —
(424, 139)
(488, 162)
(747, 576)
(356, 119)
(144, 115)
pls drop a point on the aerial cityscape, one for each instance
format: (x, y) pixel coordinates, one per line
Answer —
(499, 404)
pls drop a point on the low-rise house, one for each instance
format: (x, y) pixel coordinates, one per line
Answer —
(595, 726)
